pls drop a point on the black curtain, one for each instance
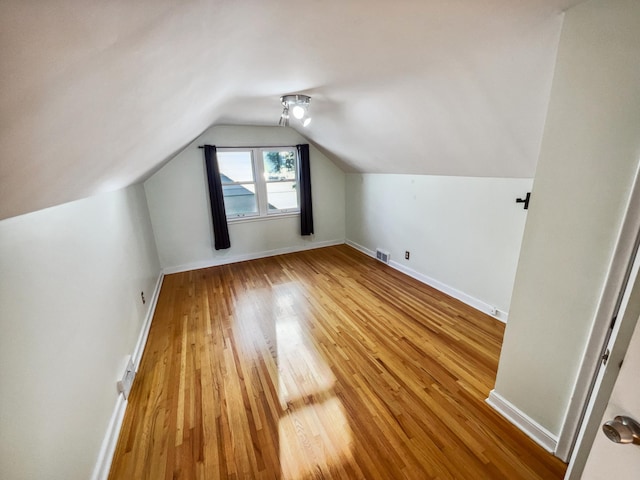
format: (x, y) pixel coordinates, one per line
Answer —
(306, 210)
(216, 197)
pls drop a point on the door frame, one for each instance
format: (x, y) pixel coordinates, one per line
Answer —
(591, 395)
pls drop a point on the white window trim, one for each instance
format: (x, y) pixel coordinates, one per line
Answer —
(260, 183)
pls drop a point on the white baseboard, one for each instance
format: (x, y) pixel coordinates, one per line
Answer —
(144, 332)
(457, 294)
(530, 427)
(225, 260)
(108, 447)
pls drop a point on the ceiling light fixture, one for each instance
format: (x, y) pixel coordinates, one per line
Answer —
(299, 107)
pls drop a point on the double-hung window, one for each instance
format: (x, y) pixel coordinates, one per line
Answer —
(259, 182)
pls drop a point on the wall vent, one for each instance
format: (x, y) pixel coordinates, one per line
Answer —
(382, 256)
(124, 385)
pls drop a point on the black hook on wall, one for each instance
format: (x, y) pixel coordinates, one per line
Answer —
(525, 200)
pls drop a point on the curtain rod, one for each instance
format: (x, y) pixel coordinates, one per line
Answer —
(253, 146)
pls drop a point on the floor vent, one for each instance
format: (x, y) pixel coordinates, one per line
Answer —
(382, 256)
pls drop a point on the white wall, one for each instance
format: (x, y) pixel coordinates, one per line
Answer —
(71, 313)
(589, 155)
(462, 232)
(180, 213)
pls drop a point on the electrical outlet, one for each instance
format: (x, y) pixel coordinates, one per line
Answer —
(406, 255)
(125, 384)
(143, 300)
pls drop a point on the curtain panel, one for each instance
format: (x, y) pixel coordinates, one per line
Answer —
(306, 209)
(216, 197)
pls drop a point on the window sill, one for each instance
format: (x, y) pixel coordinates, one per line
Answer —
(273, 216)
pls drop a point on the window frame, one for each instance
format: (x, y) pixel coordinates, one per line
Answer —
(260, 182)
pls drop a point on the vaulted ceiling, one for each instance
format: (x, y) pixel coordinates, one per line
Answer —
(96, 94)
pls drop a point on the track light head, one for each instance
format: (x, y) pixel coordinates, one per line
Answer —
(299, 106)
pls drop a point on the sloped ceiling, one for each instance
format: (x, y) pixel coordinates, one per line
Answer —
(96, 94)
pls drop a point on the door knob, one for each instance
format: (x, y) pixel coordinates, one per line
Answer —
(622, 430)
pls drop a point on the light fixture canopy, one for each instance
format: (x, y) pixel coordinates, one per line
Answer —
(299, 107)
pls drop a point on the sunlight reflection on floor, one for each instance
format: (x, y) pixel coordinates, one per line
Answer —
(312, 438)
(314, 432)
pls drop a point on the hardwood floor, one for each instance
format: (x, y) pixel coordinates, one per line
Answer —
(320, 364)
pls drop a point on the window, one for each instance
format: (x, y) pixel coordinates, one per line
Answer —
(259, 182)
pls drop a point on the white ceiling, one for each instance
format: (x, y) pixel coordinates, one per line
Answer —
(96, 94)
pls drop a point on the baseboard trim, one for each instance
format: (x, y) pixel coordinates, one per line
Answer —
(144, 332)
(530, 427)
(225, 260)
(108, 447)
(432, 282)
(103, 465)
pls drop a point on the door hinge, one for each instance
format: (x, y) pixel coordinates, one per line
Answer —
(605, 356)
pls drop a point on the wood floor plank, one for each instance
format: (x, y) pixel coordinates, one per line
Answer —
(319, 364)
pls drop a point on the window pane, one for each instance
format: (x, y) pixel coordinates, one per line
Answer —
(240, 199)
(282, 195)
(235, 167)
(279, 165)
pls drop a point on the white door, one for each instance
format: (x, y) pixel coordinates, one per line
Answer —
(607, 459)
